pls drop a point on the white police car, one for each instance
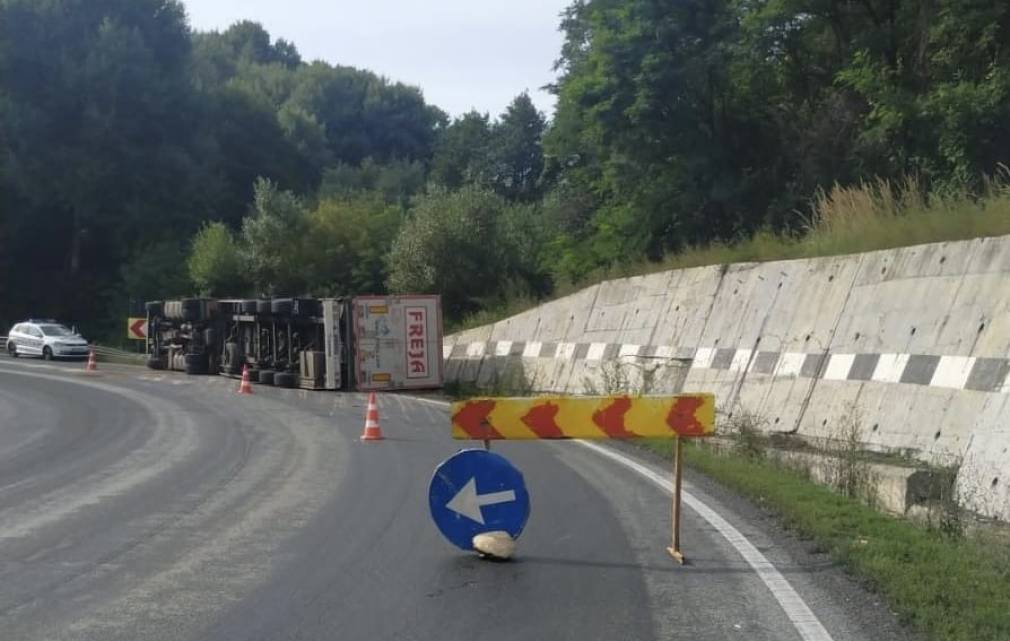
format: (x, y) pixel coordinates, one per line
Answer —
(45, 338)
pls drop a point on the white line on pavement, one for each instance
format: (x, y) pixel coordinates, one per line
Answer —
(796, 609)
(802, 618)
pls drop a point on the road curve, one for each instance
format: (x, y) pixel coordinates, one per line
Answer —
(141, 505)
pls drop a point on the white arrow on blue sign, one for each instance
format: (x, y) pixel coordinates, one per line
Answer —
(476, 491)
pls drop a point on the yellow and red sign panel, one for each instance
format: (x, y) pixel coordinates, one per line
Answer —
(588, 417)
(136, 328)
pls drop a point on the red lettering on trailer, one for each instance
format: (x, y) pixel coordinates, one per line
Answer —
(417, 353)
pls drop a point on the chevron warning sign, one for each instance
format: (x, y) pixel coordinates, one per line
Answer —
(585, 417)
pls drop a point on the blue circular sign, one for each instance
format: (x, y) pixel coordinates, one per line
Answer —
(476, 491)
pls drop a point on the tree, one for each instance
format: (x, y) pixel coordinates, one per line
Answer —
(470, 246)
(347, 242)
(98, 126)
(462, 152)
(516, 151)
(272, 238)
(215, 263)
(448, 246)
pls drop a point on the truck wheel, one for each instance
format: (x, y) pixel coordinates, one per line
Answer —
(233, 358)
(192, 309)
(157, 362)
(285, 379)
(196, 364)
(267, 376)
(254, 375)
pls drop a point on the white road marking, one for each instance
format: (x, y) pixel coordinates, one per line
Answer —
(796, 609)
(172, 441)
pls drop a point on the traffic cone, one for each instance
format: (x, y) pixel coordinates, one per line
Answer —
(372, 430)
(244, 387)
(92, 365)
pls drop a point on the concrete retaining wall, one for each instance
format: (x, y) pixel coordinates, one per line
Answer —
(914, 342)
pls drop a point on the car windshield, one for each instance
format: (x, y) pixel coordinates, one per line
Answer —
(55, 330)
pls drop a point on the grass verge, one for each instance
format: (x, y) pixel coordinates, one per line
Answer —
(952, 589)
(843, 220)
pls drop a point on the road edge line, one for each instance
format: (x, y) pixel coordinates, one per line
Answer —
(795, 608)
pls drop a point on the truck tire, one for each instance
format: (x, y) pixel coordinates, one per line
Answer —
(196, 364)
(233, 358)
(192, 309)
(154, 308)
(267, 376)
(285, 379)
(263, 306)
(281, 306)
(157, 362)
(248, 306)
(305, 307)
(254, 375)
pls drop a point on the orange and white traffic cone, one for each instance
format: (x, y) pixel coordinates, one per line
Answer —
(244, 387)
(92, 364)
(372, 430)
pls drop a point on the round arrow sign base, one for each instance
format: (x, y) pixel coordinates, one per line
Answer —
(475, 492)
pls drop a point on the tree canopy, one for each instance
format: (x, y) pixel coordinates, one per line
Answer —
(139, 158)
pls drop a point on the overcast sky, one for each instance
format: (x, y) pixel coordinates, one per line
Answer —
(462, 53)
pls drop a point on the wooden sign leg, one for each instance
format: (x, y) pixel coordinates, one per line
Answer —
(678, 463)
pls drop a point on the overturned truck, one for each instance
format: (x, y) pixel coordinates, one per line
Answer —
(362, 343)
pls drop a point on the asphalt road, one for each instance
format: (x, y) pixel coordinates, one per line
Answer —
(141, 505)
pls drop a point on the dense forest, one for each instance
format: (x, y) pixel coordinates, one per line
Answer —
(140, 159)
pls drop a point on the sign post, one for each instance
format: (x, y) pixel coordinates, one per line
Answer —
(593, 417)
(678, 462)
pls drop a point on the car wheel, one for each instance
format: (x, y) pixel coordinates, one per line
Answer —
(47, 354)
(12, 349)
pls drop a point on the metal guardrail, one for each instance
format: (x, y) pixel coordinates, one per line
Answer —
(115, 353)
